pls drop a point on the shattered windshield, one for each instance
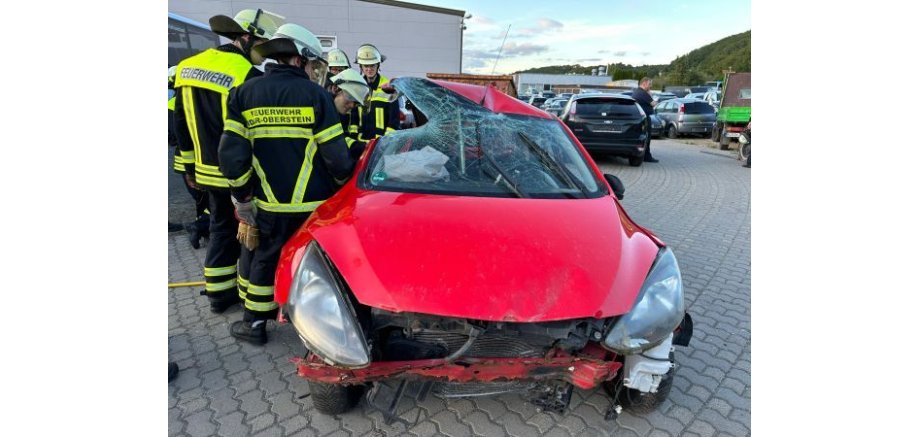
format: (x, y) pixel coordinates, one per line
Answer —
(466, 149)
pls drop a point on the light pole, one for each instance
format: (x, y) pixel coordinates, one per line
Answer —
(462, 28)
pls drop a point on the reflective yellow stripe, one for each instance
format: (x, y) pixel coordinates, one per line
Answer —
(380, 99)
(279, 116)
(214, 287)
(207, 169)
(215, 272)
(389, 130)
(241, 181)
(353, 129)
(306, 168)
(211, 181)
(177, 165)
(236, 127)
(267, 189)
(281, 132)
(187, 156)
(329, 133)
(261, 290)
(349, 142)
(242, 281)
(189, 105)
(171, 104)
(275, 207)
(261, 307)
(379, 113)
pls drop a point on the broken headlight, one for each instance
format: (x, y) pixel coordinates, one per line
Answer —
(657, 312)
(321, 316)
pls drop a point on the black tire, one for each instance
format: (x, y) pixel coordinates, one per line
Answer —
(642, 402)
(332, 399)
(723, 142)
(744, 151)
(636, 161)
(717, 133)
(672, 131)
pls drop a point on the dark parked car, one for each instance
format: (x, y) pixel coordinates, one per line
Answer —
(657, 126)
(608, 123)
(686, 116)
(536, 100)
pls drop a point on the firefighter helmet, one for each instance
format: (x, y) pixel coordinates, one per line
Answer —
(369, 55)
(338, 58)
(292, 39)
(351, 82)
(256, 22)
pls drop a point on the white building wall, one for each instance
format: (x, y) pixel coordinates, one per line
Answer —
(415, 42)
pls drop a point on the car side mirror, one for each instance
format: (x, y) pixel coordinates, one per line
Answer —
(618, 188)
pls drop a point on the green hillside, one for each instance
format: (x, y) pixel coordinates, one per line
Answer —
(698, 66)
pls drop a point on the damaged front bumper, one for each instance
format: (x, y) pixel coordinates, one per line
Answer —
(589, 368)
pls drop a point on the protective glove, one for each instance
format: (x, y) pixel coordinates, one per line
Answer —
(245, 211)
(247, 233)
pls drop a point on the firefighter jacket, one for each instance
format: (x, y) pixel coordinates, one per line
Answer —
(283, 142)
(203, 83)
(378, 116)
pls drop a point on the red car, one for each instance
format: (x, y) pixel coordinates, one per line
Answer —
(483, 251)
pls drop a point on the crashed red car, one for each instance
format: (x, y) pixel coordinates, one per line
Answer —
(483, 251)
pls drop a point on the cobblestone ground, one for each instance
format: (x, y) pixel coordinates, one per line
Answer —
(696, 199)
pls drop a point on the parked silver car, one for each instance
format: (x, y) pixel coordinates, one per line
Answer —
(686, 116)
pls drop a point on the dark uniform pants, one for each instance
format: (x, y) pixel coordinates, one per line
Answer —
(220, 273)
(274, 232)
(648, 138)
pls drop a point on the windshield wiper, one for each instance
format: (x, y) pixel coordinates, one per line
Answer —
(559, 170)
(501, 174)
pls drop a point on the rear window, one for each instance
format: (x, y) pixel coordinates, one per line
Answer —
(598, 107)
(539, 100)
(698, 108)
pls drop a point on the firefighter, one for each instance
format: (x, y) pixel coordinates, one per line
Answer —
(379, 116)
(199, 227)
(203, 83)
(284, 153)
(351, 92)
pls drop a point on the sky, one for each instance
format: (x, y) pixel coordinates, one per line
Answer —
(591, 32)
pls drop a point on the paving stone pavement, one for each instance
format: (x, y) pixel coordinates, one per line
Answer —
(697, 200)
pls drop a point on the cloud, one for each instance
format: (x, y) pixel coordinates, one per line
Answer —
(588, 60)
(645, 53)
(620, 53)
(603, 51)
(523, 49)
(480, 20)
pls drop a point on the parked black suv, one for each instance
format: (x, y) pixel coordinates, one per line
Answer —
(611, 124)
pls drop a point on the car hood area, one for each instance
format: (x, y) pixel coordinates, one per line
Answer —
(495, 259)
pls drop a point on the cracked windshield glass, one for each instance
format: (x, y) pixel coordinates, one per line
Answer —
(465, 149)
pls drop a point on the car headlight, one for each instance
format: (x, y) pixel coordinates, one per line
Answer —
(324, 321)
(657, 312)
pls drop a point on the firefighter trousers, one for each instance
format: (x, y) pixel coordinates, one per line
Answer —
(274, 231)
(222, 280)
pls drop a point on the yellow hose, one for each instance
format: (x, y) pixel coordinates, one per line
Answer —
(190, 283)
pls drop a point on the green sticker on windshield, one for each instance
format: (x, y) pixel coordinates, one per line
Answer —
(379, 177)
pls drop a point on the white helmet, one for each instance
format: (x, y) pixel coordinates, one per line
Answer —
(257, 22)
(292, 39)
(351, 82)
(338, 58)
(369, 55)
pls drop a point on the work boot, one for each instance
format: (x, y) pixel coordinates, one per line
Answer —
(173, 371)
(173, 227)
(220, 305)
(198, 230)
(252, 332)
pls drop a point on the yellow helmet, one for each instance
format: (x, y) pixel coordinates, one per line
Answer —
(338, 58)
(351, 82)
(256, 22)
(368, 55)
